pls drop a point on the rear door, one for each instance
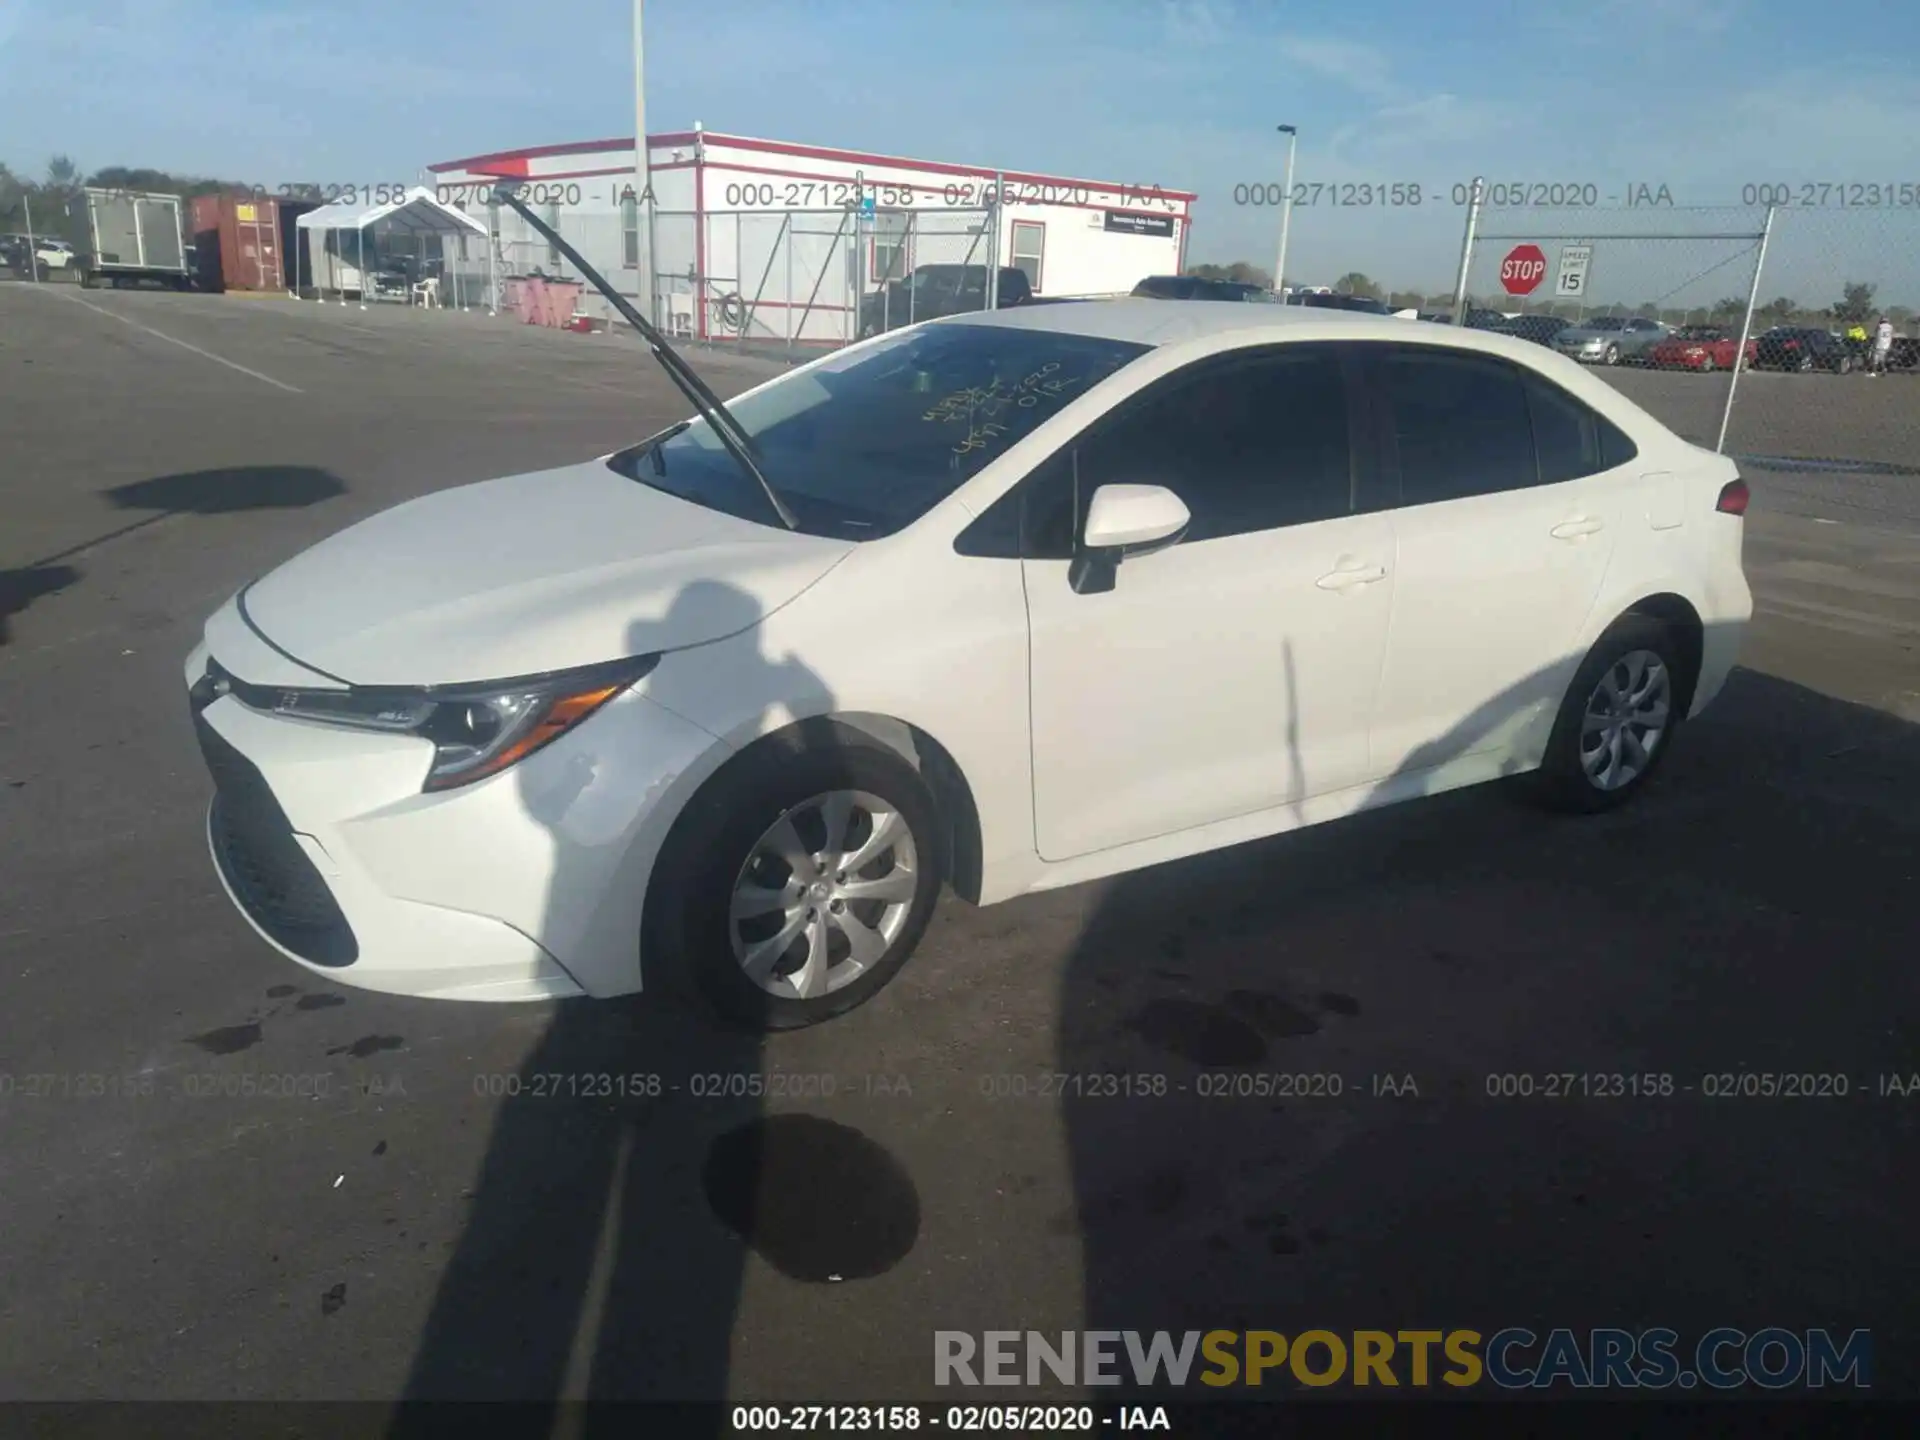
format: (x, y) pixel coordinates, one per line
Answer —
(1509, 501)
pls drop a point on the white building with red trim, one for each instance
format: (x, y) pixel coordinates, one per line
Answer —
(767, 240)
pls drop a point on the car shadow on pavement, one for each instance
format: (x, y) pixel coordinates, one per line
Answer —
(1333, 1011)
(602, 1256)
(193, 492)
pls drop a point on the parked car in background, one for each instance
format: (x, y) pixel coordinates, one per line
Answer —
(1700, 347)
(55, 254)
(1611, 339)
(1484, 320)
(1802, 347)
(1540, 329)
(931, 291)
(1194, 287)
(16, 254)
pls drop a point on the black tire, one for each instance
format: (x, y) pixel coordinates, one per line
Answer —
(1612, 357)
(1562, 782)
(688, 932)
(1707, 367)
(1804, 364)
(1844, 365)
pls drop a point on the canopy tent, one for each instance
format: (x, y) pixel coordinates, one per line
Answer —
(415, 213)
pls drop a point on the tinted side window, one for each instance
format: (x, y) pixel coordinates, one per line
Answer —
(996, 534)
(1566, 434)
(1461, 425)
(1615, 447)
(1252, 444)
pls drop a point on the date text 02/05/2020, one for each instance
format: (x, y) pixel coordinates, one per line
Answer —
(1499, 194)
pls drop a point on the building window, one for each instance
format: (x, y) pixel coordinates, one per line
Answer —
(1029, 244)
(892, 242)
(630, 229)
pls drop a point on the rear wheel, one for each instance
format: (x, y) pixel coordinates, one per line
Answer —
(1617, 721)
(1706, 365)
(1844, 365)
(1804, 364)
(802, 885)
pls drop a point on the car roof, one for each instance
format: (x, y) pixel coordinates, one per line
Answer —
(1150, 322)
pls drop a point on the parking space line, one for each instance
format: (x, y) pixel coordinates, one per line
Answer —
(184, 345)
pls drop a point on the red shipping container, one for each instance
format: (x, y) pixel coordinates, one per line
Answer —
(236, 243)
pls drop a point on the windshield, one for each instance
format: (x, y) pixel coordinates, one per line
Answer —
(1605, 322)
(1701, 332)
(864, 444)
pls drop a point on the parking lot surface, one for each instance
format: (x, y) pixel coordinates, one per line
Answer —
(224, 1178)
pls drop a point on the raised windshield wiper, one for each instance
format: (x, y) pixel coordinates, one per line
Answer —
(732, 435)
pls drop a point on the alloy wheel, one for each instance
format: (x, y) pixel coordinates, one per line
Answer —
(823, 895)
(1626, 718)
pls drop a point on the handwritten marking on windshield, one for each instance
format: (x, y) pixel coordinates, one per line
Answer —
(978, 404)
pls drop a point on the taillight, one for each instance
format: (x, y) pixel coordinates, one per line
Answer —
(1733, 498)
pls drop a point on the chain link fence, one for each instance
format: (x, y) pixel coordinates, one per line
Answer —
(1756, 330)
(787, 281)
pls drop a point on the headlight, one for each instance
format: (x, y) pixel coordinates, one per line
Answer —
(476, 730)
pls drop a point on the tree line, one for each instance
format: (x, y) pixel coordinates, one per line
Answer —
(1856, 305)
(48, 200)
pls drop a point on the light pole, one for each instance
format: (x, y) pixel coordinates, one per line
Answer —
(1286, 215)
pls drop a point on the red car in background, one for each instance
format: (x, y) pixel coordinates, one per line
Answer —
(1700, 347)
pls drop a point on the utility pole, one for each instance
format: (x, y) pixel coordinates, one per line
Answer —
(1286, 215)
(642, 172)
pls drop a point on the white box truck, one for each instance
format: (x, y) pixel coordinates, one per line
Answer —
(130, 235)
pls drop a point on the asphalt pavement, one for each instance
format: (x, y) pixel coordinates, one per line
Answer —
(222, 1178)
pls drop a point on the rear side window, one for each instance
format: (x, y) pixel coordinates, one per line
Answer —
(1571, 439)
(1460, 423)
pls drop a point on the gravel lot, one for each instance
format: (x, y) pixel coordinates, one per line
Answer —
(403, 1224)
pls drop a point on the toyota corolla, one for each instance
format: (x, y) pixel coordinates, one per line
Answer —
(1006, 601)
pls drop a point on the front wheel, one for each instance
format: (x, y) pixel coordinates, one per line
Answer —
(1612, 357)
(1617, 721)
(1844, 366)
(1706, 365)
(804, 885)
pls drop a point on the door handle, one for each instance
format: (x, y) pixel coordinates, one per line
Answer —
(1347, 579)
(1574, 529)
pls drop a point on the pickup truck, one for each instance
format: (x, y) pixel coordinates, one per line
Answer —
(935, 290)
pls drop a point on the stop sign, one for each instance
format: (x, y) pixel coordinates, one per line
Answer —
(1523, 269)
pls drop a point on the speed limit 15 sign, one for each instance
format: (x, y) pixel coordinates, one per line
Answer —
(1572, 279)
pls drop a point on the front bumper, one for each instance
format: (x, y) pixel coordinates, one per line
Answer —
(528, 885)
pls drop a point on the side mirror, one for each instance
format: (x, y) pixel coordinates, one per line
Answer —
(1124, 520)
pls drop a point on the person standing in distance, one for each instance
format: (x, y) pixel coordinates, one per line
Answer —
(1882, 345)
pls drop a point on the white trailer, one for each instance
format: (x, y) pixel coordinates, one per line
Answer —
(130, 235)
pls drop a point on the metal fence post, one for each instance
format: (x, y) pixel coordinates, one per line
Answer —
(993, 242)
(33, 245)
(1466, 252)
(1746, 329)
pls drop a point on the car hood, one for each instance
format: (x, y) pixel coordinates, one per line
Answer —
(528, 574)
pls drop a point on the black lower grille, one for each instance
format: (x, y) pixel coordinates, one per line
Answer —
(269, 873)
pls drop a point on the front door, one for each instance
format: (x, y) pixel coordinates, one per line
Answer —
(1234, 672)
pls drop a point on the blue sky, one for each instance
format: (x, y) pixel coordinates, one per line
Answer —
(1181, 93)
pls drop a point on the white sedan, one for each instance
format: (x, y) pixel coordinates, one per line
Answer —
(1008, 601)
